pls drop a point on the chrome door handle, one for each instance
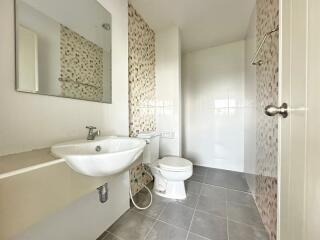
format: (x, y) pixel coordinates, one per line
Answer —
(272, 110)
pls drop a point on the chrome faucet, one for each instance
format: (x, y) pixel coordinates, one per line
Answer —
(91, 134)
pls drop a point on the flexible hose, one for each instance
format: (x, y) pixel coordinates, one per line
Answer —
(134, 203)
(141, 208)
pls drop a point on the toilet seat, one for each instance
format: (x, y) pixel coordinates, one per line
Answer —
(175, 164)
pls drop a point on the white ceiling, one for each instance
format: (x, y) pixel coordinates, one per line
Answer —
(203, 23)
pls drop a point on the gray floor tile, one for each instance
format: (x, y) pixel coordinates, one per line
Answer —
(163, 231)
(242, 198)
(193, 187)
(109, 236)
(199, 170)
(177, 215)
(214, 193)
(215, 199)
(197, 178)
(132, 225)
(244, 214)
(216, 207)
(217, 170)
(103, 235)
(209, 226)
(158, 204)
(227, 179)
(195, 237)
(244, 232)
(190, 201)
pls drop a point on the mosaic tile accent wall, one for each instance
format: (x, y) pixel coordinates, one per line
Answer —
(81, 63)
(142, 85)
(267, 127)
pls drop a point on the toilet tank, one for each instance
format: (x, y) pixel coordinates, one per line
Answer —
(151, 150)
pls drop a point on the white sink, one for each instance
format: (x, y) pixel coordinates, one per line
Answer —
(116, 154)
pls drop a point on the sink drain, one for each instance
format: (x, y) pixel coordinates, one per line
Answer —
(103, 193)
(98, 148)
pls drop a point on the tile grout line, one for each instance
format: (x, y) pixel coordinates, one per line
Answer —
(217, 186)
(180, 204)
(212, 214)
(194, 211)
(188, 231)
(156, 220)
(227, 213)
(202, 237)
(171, 225)
(248, 225)
(227, 217)
(114, 235)
(256, 204)
(207, 169)
(202, 184)
(120, 238)
(162, 221)
(227, 189)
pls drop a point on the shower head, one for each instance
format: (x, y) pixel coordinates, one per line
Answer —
(106, 26)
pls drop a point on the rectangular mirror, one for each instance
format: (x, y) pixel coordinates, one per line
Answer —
(63, 48)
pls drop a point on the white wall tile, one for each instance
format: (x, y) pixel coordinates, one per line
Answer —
(168, 90)
(213, 106)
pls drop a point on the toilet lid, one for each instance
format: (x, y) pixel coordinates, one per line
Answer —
(175, 164)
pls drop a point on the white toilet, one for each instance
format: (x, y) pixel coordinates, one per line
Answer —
(169, 172)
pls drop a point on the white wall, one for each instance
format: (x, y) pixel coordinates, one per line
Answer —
(250, 100)
(213, 106)
(168, 90)
(31, 121)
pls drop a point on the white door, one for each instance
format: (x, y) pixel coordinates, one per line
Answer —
(299, 158)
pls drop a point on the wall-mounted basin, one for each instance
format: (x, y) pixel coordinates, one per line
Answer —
(104, 156)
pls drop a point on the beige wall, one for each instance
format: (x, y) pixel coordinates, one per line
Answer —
(31, 121)
(32, 199)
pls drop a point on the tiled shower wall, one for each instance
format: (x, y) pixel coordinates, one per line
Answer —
(264, 184)
(142, 85)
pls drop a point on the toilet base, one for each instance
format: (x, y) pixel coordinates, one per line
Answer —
(169, 189)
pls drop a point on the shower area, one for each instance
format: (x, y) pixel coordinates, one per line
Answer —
(225, 90)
